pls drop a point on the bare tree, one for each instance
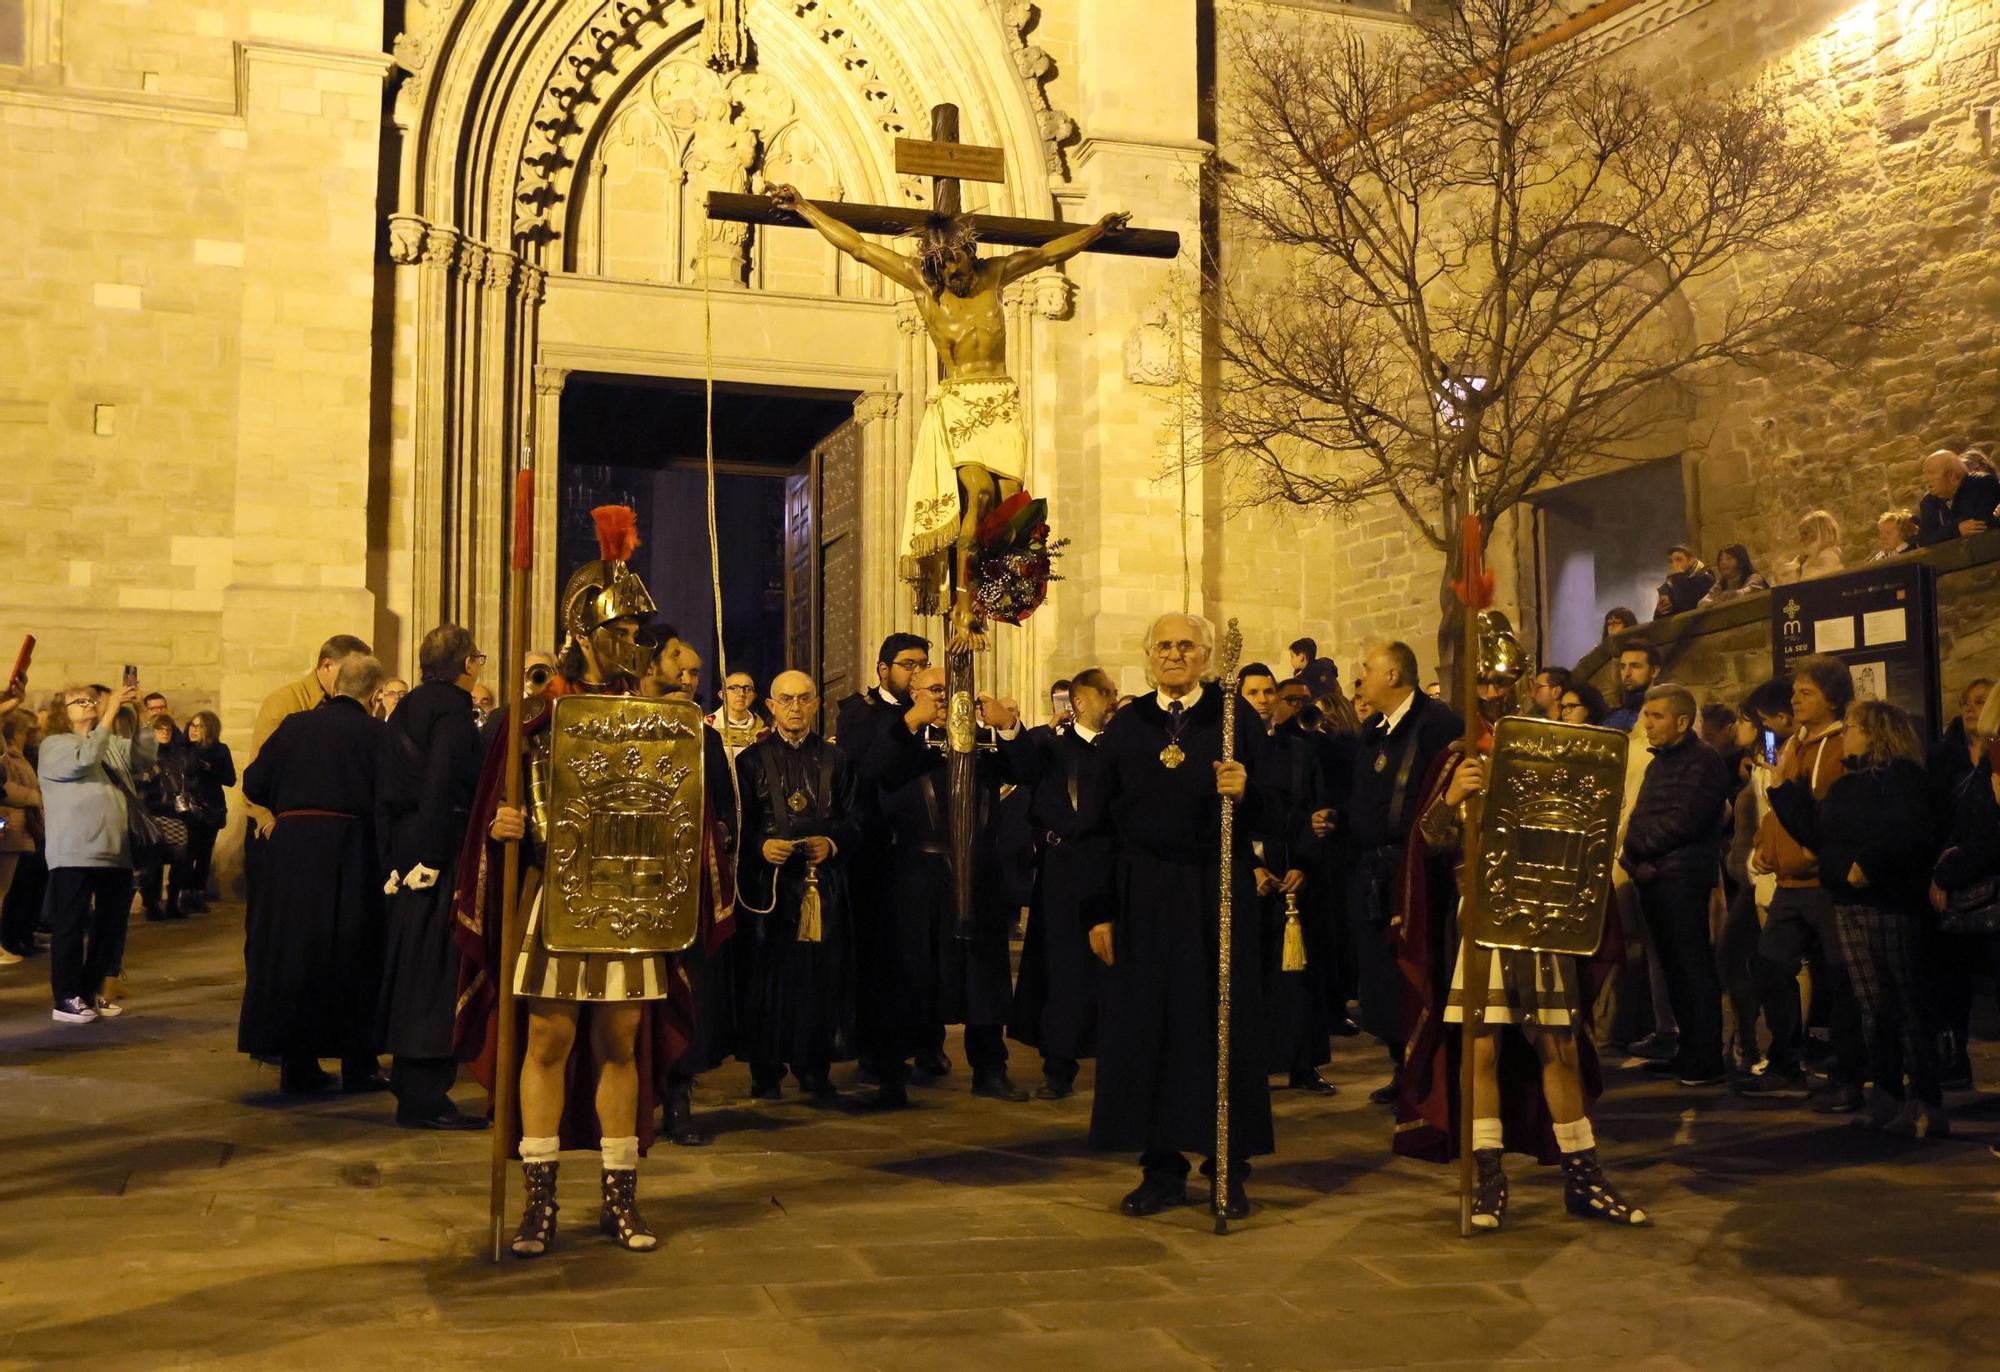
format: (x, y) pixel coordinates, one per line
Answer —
(1476, 256)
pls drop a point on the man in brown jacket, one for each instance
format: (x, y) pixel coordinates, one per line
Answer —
(1800, 928)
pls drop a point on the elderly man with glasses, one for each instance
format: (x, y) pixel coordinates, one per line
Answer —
(1157, 931)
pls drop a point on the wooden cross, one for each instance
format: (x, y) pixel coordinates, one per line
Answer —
(947, 162)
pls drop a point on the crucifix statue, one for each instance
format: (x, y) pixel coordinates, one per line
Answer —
(972, 446)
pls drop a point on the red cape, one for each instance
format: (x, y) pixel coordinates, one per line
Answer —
(1426, 924)
(666, 1027)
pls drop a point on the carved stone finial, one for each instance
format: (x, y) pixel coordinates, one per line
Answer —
(406, 238)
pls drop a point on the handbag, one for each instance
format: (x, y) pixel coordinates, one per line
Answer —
(142, 831)
(1972, 910)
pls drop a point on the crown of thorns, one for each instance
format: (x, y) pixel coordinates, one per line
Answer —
(941, 235)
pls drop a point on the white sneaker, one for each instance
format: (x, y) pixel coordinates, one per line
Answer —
(8, 958)
(75, 1010)
(109, 1009)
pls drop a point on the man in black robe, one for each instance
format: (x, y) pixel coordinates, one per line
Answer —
(863, 715)
(1159, 936)
(924, 972)
(1407, 733)
(313, 958)
(1055, 999)
(424, 783)
(799, 826)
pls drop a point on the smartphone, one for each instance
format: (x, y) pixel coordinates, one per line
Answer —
(131, 676)
(1769, 741)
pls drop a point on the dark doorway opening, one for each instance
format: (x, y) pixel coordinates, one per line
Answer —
(639, 441)
(1603, 543)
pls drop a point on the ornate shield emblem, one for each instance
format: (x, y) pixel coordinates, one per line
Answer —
(624, 826)
(1547, 836)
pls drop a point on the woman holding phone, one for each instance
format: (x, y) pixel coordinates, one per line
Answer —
(88, 800)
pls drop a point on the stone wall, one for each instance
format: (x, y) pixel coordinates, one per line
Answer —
(185, 420)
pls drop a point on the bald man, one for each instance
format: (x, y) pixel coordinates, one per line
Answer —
(800, 823)
(1958, 502)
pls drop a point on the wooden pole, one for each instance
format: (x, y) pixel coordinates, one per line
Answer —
(506, 1068)
(1474, 957)
(1232, 647)
(992, 228)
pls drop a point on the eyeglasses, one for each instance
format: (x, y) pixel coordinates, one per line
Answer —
(1184, 648)
(80, 702)
(475, 657)
(911, 664)
(1569, 705)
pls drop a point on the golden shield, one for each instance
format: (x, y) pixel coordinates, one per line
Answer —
(624, 825)
(1548, 835)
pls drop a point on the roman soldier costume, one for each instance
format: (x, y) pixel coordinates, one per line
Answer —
(623, 867)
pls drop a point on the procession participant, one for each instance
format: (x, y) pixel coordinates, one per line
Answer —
(710, 971)
(1055, 996)
(1158, 931)
(427, 772)
(1406, 733)
(926, 971)
(736, 718)
(796, 947)
(861, 716)
(1297, 927)
(312, 970)
(613, 1022)
(1532, 1089)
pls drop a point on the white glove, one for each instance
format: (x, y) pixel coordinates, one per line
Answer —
(392, 885)
(421, 878)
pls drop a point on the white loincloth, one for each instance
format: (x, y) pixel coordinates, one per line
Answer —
(973, 421)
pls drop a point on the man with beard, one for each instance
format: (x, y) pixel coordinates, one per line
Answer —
(1158, 934)
(425, 779)
(613, 1023)
(1532, 1101)
(927, 971)
(1055, 998)
(863, 715)
(796, 947)
(313, 959)
(1638, 669)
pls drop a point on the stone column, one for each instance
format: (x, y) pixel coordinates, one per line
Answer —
(879, 523)
(549, 383)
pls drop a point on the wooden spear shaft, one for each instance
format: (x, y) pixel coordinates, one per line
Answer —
(506, 1069)
(1232, 644)
(1474, 958)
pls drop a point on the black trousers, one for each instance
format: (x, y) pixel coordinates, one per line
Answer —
(88, 911)
(21, 911)
(1676, 914)
(1802, 929)
(422, 1086)
(1370, 891)
(1884, 954)
(1736, 959)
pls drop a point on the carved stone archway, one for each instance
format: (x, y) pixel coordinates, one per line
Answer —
(502, 108)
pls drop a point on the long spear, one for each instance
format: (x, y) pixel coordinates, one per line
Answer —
(1232, 648)
(1475, 592)
(506, 1071)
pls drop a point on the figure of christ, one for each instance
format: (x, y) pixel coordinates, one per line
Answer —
(972, 447)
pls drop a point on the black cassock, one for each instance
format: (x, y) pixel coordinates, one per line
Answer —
(1295, 1003)
(922, 974)
(313, 958)
(712, 974)
(429, 764)
(796, 1000)
(1156, 1039)
(1055, 999)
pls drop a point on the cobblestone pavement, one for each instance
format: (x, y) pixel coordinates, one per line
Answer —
(161, 1206)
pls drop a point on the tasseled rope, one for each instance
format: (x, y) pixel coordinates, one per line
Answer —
(1295, 936)
(809, 931)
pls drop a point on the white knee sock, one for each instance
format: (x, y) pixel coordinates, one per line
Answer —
(1487, 1133)
(621, 1155)
(540, 1150)
(1577, 1137)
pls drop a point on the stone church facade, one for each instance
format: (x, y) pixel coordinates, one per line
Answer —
(293, 286)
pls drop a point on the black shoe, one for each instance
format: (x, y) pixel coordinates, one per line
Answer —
(681, 1128)
(818, 1086)
(1345, 1028)
(1312, 1082)
(304, 1083)
(1238, 1204)
(933, 1064)
(1657, 1047)
(1489, 1200)
(365, 1084)
(1588, 1195)
(997, 1085)
(1704, 1077)
(1386, 1093)
(1051, 1089)
(1153, 1195)
(764, 1090)
(450, 1120)
(890, 1095)
(154, 912)
(1777, 1082)
(1838, 1100)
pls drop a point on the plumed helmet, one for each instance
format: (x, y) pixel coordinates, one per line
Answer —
(606, 589)
(1500, 653)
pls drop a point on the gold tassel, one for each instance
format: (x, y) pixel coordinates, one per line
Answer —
(809, 908)
(1295, 936)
